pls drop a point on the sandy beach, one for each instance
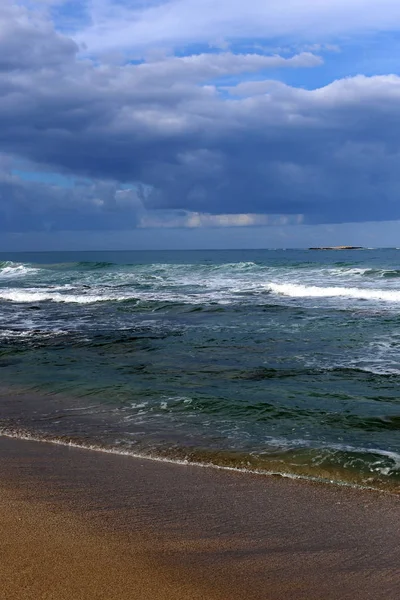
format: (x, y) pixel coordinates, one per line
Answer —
(85, 525)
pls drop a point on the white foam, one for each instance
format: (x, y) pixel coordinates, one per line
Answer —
(29, 295)
(221, 284)
(24, 296)
(380, 357)
(393, 456)
(295, 290)
(14, 334)
(377, 369)
(340, 272)
(15, 270)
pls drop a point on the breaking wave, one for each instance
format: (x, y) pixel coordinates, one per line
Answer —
(295, 290)
(28, 296)
(9, 269)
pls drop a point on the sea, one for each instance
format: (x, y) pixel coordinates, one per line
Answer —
(283, 362)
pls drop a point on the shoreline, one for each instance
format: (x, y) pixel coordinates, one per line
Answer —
(30, 437)
(79, 524)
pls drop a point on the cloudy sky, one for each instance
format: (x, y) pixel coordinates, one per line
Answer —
(199, 123)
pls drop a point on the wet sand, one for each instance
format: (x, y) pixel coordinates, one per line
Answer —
(84, 525)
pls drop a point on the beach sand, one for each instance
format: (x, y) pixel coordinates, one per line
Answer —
(80, 524)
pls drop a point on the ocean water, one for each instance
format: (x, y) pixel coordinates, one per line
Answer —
(283, 361)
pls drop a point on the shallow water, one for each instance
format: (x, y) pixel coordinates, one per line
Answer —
(283, 361)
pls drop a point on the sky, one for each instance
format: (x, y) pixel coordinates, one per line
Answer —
(129, 124)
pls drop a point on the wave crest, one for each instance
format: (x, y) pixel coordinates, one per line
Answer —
(9, 269)
(296, 290)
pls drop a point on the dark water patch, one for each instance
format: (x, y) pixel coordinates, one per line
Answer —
(166, 307)
(8, 362)
(210, 308)
(94, 265)
(247, 410)
(362, 422)
(38, 339)
(130, 304)
(386, 423)
(129, 341)
(391, 274)
(279, 308)
(382, 273)
(78, 265)
(262, 373)
(140, 305)
(360, 373)
(135, 369)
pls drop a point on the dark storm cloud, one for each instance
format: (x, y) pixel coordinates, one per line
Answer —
(32, 206)
(261, 147)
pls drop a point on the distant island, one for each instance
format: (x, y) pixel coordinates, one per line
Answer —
(338, 248)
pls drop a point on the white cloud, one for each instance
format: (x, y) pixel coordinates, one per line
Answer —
(199, 67)
(196, 220)
(27, 40)
(134, 24)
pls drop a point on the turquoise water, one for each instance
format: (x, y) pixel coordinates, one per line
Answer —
(283, 361)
